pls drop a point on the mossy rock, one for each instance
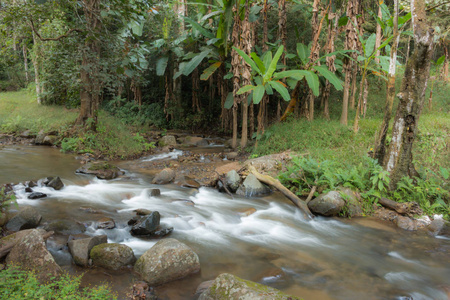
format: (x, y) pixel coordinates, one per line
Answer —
(103, 170)
(227, 286)
(112, 256)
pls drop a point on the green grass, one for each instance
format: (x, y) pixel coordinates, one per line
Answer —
(20, 111)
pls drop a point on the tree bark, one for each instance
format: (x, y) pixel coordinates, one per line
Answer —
(35, 59)
(398, 160)
(25, 62)
(380, 148)
(379, 34)
(236, 68)
(246, 40)
(332, 31)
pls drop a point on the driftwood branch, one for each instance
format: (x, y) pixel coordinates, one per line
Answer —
(53, 39)
(408, 208)
(285, 191)
(311, 194)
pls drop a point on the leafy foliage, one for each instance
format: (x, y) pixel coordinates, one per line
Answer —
(17, 284)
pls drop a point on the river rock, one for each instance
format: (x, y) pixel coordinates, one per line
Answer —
(185, 181)
(203, 287)
(252, 187)
(147, 224)
(106, 223)
(168, 140)
(153, 192)
(142, 291)
(3, 218)
(55, 183)
(28, 134)
(164, 177)
(37, 195)
(50, 140)
(405, 223)
(196, 141)
(30, 253)
(142, 211)
(103, 170)
(232, 180)
(166, 261)
(112, 256)
(11, 240)
(352, 206)
(329, 204)
(439, 227)
(227, 286)
(28, 217)
(39, 140)
(269, 164)
(161, 232)
(66, 227)
(80, 248)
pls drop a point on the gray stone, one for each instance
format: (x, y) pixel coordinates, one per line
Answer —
(164, 177)
(11, 240)
(166, 261)
(36, 195)
(185, 181)
(233, 180)
(28, 217)
(352, 206)
(40, 138)
(227, 286)
(147, 224)
(30, 253)
(142, 211)
(439, 227)
(154, 192)
(405, 223)
(112, 256)
(329, 204)
(195, 141)
(252, 187)
(232, 155)
(56, 183)
(168, 140)
(103, 170)
(50, 140)
(81, 248)
(106, 223)
(65, 227)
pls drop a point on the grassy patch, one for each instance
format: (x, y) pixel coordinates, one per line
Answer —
(20, 111)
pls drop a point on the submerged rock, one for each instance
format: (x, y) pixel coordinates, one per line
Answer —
(36, 195)
(103, 170)
(164, 177)
(30, 253)
(329, 204)
(166, 261)
(81, 248)
(112, 256)
(227, 286)
(106, 223)
(28, 217)
(65, 227)
(154, 192)
(142, 291)
(252, 187)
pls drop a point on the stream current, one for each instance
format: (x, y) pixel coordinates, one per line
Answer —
(326, 258)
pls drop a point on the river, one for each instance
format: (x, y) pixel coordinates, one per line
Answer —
(326, 258)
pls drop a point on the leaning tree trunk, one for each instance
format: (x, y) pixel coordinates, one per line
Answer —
(444, 74)
(380, 149)
(398, 160)
(379, 34)
(282, 36)
(332, 31)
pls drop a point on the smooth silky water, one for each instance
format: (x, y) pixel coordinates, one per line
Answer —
(320, 259)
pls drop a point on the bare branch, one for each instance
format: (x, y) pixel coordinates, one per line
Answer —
(53, 39)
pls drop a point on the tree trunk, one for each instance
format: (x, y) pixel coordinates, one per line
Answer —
(332, 31)
(398, 160)
(353, 97)
(25, 62)
(236, 61)
(379, 34)
(380, 149)
(35, 59)
(444, 73)
(195, 89)
(246, 41)
(314, 54)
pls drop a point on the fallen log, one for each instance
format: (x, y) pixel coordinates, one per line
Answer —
(285, 191)
(311, 194)
(407, 208)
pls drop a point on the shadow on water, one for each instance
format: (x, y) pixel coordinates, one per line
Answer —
(320, 259)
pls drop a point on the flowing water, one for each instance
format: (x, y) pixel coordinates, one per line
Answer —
(319, 259)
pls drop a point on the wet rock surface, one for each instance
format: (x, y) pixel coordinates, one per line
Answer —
(329, 204)
(27, 217)
(102, 170)
(81, 248)
(112, 256)
(166, 261)
(252, 187)
(147, 224)
(164, 177)
(66, 227)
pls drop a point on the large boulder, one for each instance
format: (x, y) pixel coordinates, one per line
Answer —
(27, 217)
(50, 140)
(166, 261)
(147, 224)
(269, 164)
(9, 241)
(103, 170)
(227, 286)
(30, 253)
(65, 227)
(252, 187)
(167, 140)
(112, 256)
(164, 177)
(352, 206)
(329, 204)
(439, 227)
(232, 180)
(81, 248)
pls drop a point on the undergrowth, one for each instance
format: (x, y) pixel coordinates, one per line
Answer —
(18, 284)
